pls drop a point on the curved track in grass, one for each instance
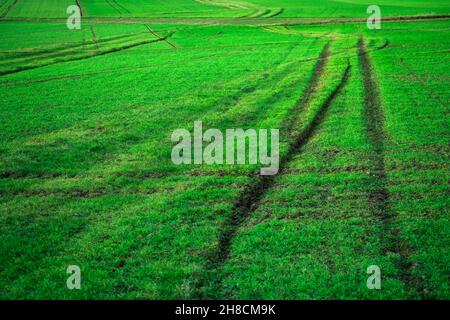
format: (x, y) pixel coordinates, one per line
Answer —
(256, 11)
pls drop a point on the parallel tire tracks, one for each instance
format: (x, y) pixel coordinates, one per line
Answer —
(250, 198)
(118, 7)
(8, 10)
(170, 43)
(113, 50)
(111, 4)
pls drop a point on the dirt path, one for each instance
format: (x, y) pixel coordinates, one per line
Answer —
(253, 193)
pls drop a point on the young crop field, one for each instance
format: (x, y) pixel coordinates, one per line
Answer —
(87, 176)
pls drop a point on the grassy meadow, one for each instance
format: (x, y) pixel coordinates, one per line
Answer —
(86, 176)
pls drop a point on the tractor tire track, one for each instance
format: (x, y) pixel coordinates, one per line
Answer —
(424, 86)
(137, 244)
(170, 43)
(118, 5)
(111, 4)
(276, 13)
(319, 69)
(261, 83)
(251, 196)
(52, 51)
(113, 50)
(8, 10)
(384, 45)
(140, 240)
(225, 102)
(94, 37)
(3, 4)
(80, 7)
(378, 194)
(83, 75)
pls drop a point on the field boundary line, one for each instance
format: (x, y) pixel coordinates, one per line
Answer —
(273, 21)
(424, 86)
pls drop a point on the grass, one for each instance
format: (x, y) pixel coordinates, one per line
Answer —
(86, 176)
(224, 8)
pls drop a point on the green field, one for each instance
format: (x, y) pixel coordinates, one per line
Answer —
(86, 176)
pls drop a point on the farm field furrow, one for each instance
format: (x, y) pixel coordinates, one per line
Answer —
(87, 178)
